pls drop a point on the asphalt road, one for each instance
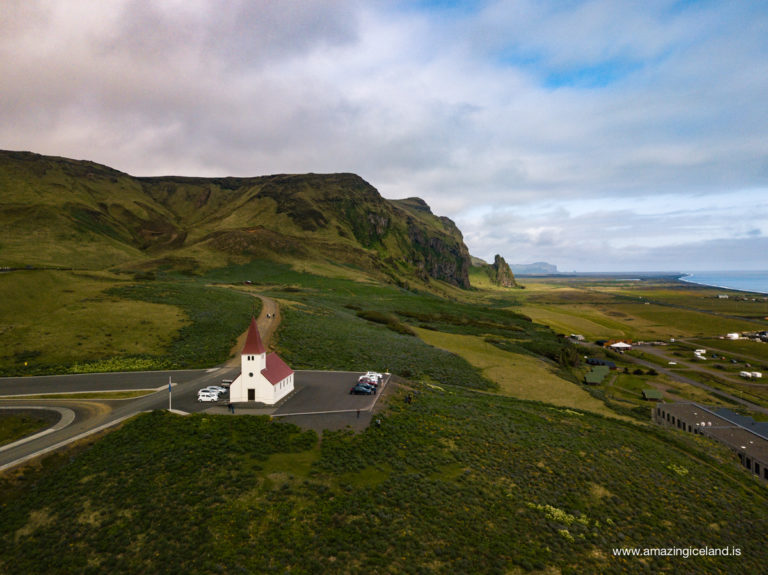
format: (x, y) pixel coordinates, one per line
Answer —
(47, 384)
(97, 414)
(77, 418)
(320, 397)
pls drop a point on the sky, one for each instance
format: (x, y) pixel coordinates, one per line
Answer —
(594, 135)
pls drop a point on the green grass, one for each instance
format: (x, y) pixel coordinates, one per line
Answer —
(14, 426)
(664, 321)
(651, 309)
(454, 482)
(754, 351)
(74, 322)
(217, 316)
(53, 320)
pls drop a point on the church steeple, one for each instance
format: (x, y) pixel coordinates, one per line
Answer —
(253, 357)
(253, 344)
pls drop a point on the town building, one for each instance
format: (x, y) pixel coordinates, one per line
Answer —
(745, 437)
(264, 377)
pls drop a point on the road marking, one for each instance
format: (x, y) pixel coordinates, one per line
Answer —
(67, 417)
(66, 442)
(25, 395)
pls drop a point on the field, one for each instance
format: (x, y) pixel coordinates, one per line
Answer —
(503, 463)
(64, 321)
(517, 375)
(221, 494)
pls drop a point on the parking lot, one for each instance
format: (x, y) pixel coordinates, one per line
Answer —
(325, 391)
(320, 400)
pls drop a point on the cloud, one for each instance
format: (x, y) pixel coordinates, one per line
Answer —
(523, 109)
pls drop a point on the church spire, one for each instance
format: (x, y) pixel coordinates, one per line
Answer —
(253, 344)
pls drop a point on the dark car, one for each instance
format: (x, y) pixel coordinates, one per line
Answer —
(369, 381)
(362, 389)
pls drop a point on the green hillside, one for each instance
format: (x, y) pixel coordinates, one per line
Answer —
(64, 213)
(467, 478)
(455, 482)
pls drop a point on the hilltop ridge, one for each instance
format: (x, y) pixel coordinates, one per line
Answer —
(82, 214)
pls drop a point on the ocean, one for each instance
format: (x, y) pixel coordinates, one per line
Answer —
(751, 281)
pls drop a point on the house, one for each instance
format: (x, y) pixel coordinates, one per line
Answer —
(264, 377)
(597, 361)
(747, 438)
(652, 395)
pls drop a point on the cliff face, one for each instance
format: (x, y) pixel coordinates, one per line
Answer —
(500, 273)
(120, 219)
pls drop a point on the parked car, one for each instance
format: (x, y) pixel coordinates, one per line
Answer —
(362, 389)
(368, 381)
(207, 396)
(373, 375)
(216, 389)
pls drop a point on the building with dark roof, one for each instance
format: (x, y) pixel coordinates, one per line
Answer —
(751, 447)
(598, 361)
(264, 377)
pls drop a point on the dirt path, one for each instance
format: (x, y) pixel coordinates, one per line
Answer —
(267, 327)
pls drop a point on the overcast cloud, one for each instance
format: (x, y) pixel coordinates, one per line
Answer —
(596, 135)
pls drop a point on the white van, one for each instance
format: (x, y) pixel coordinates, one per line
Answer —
(204, 395)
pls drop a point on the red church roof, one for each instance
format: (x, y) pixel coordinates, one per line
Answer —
(253, 344)
(277, 370)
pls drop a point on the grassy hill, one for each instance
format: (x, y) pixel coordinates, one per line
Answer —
(64, 213)
(455, 482)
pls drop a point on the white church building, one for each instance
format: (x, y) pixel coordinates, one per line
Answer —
(265, 378)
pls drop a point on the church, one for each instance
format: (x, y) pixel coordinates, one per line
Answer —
(263, 377)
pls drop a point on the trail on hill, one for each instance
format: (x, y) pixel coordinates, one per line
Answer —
(266, 325)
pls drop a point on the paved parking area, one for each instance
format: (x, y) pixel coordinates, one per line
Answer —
(321, 400)
(325, 391)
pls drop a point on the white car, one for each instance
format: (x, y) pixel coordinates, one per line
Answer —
(372, 375)
(207, 396)
(215, 389)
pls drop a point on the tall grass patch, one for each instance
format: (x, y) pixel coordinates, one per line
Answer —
(55, 319)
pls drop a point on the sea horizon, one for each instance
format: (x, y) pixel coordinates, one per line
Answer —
(749, 281)
(752, 281)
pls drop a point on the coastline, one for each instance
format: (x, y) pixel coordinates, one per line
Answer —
(720, 280)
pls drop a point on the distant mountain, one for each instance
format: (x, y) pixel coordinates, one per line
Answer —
(58, 212)
(534, 269)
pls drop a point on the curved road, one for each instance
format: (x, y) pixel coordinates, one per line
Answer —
(80, 418)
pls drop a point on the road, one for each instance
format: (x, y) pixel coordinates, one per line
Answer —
(678, 377)
(93, 415)
(321, 401)
(78, 418)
